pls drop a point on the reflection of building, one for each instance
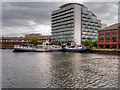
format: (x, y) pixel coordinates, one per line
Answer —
(73, 22)
(109, 37)
(9, 42)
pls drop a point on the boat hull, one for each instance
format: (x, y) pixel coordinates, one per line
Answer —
(30, 50)
(83, 50)
(57, 49)
(46, 49)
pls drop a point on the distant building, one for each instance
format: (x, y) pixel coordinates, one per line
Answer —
(73, 22)
(33, 35)
(109, 37)
(9, 42)
(41, 38)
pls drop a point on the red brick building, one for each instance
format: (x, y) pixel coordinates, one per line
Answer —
(109, 37)
(41, 38)
(9, 42)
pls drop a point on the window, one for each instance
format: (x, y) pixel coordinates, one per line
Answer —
(107, 33)
(101, 39)
(119, 38)
(101, 33)
(114, 39)
(114, 33)
(107, 46)
(113, 46)
(107, 39)
(101, 46)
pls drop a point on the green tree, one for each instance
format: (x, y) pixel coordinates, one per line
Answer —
(89, 39)
(34, 41)
(87, 43)
(95, 43)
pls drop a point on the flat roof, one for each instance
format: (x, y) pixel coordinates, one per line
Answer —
(64, 5)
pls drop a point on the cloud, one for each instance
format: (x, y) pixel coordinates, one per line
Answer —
(18, 13)
(107, 12)
(26, 17)
(119, 12)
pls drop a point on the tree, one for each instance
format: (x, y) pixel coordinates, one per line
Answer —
(89, 39)
(87, 43)
(34, 41)
(95, 43)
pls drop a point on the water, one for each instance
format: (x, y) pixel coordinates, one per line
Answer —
(59, 70)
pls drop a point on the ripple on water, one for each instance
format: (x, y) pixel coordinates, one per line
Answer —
(55, 70)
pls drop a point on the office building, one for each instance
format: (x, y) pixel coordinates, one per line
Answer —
(73, 22)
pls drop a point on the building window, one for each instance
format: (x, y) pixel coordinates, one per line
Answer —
(107, 33)
(107, 39)
(101, 33)
(107, 46)
(119, 38)
(114, 33)
(101, 36)
(101, 46)
(114, 39)
(108, 36)
(114, 46)
(101, 39)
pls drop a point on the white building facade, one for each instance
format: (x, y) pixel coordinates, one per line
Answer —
(73, 22)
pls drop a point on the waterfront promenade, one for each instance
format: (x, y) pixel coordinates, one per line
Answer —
(106, 51)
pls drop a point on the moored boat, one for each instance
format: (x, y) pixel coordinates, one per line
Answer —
(31, 48)
(56, 48)
(77, 48)
(45, 48)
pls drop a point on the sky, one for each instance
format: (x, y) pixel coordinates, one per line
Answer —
(19, 18)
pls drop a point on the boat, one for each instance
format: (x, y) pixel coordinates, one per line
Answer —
(31, 48)
(47, 48)
(56, 48)
(77, 48)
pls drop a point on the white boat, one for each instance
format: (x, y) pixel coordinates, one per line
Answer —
(31, 48)
(56, 48)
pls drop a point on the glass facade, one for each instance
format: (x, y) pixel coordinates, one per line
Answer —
(63, 24)
(90, 25)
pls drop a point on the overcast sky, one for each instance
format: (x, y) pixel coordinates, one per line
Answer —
(19, 18)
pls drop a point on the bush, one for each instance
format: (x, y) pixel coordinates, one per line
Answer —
(87, 43)
(94, 43)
